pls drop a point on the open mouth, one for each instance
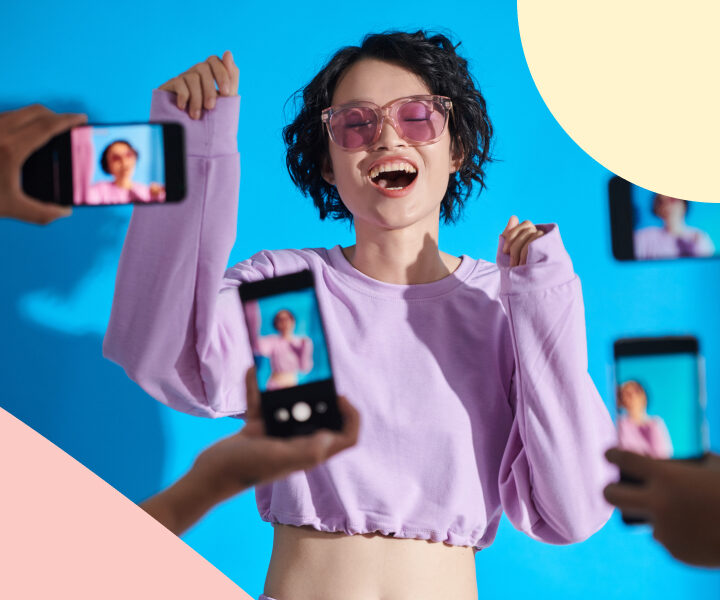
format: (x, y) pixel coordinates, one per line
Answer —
(393, 176)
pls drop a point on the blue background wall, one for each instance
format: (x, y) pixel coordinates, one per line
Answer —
(104, 59)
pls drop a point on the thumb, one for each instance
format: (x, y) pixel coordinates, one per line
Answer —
(252, 395)
(510, 224)
(229, 64)
(33, 211)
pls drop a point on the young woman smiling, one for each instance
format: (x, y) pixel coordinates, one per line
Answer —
(470, 377)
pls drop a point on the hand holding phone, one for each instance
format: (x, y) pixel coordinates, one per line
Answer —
(21, 132)
(660, 400)
(681, 499)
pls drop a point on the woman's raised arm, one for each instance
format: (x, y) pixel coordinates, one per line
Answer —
(176, 324)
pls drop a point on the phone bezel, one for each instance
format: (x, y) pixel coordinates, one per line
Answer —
(621, 218)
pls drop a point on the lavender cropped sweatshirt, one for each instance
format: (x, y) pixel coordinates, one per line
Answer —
(473, 390)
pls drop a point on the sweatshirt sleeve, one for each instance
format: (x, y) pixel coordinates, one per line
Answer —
(553, 470)
(176, 325)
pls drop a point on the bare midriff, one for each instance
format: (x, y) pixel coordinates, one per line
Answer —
(283, 379)
(307, 564)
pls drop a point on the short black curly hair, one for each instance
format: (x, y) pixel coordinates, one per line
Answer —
(434, 60)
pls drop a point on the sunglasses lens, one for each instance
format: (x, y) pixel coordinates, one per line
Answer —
(421, 120)
(353, 127)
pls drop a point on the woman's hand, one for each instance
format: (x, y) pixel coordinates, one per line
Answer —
(518, 237)
(157, 191)
(200, 85)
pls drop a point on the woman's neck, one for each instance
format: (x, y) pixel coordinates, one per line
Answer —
(124, 183)
(638, 417)
(400, 256)
(675, 225)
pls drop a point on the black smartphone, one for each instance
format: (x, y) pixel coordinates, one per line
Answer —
(650, 226)
(660, 399)
(109, 164)
(287, 338)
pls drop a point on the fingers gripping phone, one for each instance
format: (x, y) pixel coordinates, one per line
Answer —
(660, 396)
(109, 164)
(287, 338)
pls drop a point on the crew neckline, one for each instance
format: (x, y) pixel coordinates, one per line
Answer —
(416, 291)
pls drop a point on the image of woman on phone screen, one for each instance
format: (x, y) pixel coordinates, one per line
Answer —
(289, 354)
(119, 159)
(470, 377)
(675, 238)
(637, 431)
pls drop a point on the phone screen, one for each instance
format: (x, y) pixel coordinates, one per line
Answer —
(118, 164)
(660, 397)
(650, 226)
(287, 340)
(95, 165)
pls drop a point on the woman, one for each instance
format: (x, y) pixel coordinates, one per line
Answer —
(637, 431)
(289, 354)
(675, 238)
(119, 159)
(470, 378)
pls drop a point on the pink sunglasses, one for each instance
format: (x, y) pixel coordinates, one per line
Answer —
(418, 120)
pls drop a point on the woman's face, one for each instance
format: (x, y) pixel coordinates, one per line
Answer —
(633, 398)
(668, 208)
(121, 161)
(381, 82)
(284, 322)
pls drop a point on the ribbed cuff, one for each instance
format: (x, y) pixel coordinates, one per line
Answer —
(214, 134)
(548, 265)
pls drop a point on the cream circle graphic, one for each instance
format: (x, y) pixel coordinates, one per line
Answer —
(634, 84)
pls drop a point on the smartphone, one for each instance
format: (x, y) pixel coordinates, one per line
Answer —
(650, 226)
(109, 164)
(292, 363)
(660, 399)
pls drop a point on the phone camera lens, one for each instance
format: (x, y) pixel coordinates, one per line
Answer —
(321, 407)
(301, 411)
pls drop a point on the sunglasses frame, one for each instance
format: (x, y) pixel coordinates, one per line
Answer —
(388, 111)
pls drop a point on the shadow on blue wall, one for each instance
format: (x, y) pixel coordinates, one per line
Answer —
(56, 380)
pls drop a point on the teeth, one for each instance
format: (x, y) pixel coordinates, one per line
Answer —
(391, 166)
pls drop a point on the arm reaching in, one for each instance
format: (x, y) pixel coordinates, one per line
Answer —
(242, 460)
(680, 499)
